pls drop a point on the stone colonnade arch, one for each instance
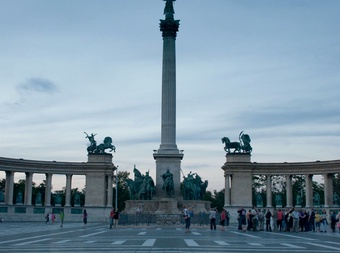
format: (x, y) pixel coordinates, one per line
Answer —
(98, 171)
(239, 170)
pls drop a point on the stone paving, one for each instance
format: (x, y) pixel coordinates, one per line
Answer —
(97, 237)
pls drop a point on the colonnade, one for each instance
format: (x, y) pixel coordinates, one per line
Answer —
(98, 172)
(238, 173)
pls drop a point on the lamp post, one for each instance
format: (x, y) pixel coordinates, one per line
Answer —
(116, 199)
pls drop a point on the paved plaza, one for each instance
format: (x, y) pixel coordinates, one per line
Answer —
(97, 237)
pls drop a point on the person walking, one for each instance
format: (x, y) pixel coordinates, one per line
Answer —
(84, 218)
(47, 217)
(212, 218)
(62, 215)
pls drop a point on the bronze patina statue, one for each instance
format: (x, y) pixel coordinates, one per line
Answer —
(193, 187)
(169, 8)
(242, 146)
(168, 183)
(100, 149)
(142, 187)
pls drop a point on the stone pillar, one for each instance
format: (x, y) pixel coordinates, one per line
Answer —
(328, 187)
(168, 156)
(48, 188)
(68, 189)
(28, 189)
(227, 190)
(289, 191)
(99, 166)
(109, 191)
(9, 188)
(269, 191)
(309, 190)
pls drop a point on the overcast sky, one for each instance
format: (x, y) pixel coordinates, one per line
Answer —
(270, 68)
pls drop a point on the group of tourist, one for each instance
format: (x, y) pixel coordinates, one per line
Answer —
(213, 214)
(50, 218)
(290, 220)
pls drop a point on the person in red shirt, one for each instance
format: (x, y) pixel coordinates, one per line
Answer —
(279, 219)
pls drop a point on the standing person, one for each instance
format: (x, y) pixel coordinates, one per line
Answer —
(186, 214)
(261, 220)
(268, 217)
(280, 217)
(112, 213)
(62, 215)
(311, 220)
(296, 218)
(333, 221)
(323, 221)
(242, 219)
(212, 218)
(84, 218)
(338, 219)
(228, 218)
(317, 221)
(116, 218)
(223, 218)
(255, 218)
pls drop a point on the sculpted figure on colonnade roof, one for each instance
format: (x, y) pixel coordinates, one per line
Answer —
(93, 148)
(242, 146)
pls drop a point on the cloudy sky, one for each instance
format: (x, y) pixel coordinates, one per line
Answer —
(270, 68)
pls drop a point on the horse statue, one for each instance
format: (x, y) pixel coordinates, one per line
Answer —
(245, 142)
(231, 145)
(107, 143)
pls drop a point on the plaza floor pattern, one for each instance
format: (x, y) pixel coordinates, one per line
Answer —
(97, 237)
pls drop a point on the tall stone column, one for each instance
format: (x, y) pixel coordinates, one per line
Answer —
(269, 191)
(289, 191)
(309, 190)
(328, 187)
(9, 187)
(48, 188)
(227, 190)
(168, 157)
(68, 189)
(28, 189)
(109, 191)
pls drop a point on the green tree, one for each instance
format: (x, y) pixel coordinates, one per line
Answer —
(123, 191)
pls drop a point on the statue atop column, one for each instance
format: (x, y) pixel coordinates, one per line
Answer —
(169, 8)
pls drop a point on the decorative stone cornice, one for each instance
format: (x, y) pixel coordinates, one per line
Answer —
(297, 168)
(169, 27)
